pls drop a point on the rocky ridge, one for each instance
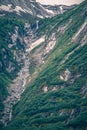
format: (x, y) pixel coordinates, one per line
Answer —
(32, 8)
(18, 85)
(60, 90)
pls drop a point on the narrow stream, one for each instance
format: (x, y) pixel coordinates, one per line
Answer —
(19, 84)
(15, 90)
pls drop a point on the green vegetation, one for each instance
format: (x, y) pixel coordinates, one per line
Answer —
(7, 27)
(7, 53)
(66, 107)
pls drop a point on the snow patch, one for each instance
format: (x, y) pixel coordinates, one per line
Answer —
(66, 75)
(50, 44)
(61, 9)
(80, 30)
(15, 35)
(40, 16)
(33, 5)
(36, 43)
(50, 11)
(18, 9)
(6, 8)
(45, 89)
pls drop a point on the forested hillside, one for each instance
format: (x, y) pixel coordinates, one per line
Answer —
(57, 98)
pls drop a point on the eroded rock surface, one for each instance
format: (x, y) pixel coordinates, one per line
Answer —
(15, 90)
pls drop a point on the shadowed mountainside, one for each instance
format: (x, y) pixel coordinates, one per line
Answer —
(57, 98)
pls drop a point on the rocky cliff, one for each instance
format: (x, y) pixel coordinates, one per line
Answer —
(45, 61)
(25, 8)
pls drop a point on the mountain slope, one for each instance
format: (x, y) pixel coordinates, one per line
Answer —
(20, 34)
(29, 8)
(11, 45)
(57, 98)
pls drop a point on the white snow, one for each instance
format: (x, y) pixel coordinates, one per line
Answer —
(59, 2)
(18, 9)
(50, 46)
(9, 5)
(6, 8)
(45, 89)
(28, 11)
(80, 30)
(36, 43)
(40, 16)
(33, 5)
(66, 75)
(15, 35)
(61, 9)
(49, 11)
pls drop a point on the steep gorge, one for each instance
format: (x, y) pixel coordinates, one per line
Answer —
(53, 74)
(25, 57)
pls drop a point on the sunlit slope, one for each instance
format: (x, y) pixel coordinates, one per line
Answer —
(57, 98)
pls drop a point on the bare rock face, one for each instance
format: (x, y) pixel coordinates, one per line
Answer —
(65, 75)
(32, 8)
(15, 90)
(45, 89)
(23, 55)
